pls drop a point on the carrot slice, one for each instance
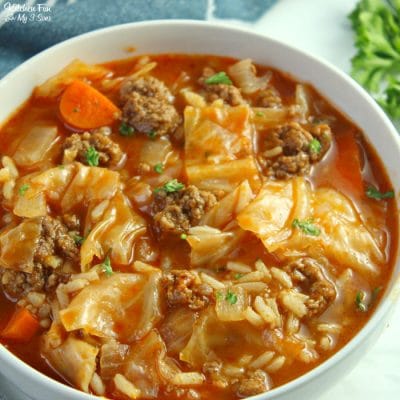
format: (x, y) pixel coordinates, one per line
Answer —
(84, 107)
(21, 327)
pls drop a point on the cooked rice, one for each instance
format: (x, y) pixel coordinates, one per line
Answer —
(97, 385)
(8, 189)
(62, 296)
(233, 371)
(292, 324)
(251, 277)
(214, 283)
(282, 277)
(140, 266)
(253, 317)
(262, 360)
(238, 267)
(188, 379)
(252, 287)
(329, 328)
(326, 343)
(4, 175)
(90, 276)
(260, 266)
(294, 301)
(275, 151)
(276, 364)
(126, 387)
(268, 311)
(36, 299)
(9, 164)
(75, 285)
(193, 99)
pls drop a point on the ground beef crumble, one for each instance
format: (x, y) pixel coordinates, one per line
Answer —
(287, 150)
(77, 145)
(54, 247)
(230, 94)
(147, 106)
(256, 383)
(269, 98)
(183, 288)
(307, 273)
(176, 212)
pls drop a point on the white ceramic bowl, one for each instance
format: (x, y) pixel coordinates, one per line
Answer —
(200, 37)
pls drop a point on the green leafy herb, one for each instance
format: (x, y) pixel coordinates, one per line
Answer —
(376, 65)
(106, 265)
(159, 168)
(78, 240)
(220, 296)
(126, 130)
(92, 156)
(374, 193)
(315, 146)
(183, 236)
(219, 77)
(360, 301)
(231, 297)
(22, 189)
(259, 114)
(171, 186)
(238, 275)
(307, 227)
(61, 166)
(152, 134)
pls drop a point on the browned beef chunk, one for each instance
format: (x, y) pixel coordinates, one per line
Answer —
(256, 383)
(308, 274)
(269, 98)
(290, 150)
(228, 93)
(183, 289)
(176, 212)
(77, 145)
(55, 246)
(147, 106)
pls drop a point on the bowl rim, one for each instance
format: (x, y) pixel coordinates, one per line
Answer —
(386, 303)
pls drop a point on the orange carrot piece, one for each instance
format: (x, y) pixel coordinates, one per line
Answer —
(21, 327)
(84, 107)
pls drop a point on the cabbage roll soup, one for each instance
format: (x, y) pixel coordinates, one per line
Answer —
(187, 227)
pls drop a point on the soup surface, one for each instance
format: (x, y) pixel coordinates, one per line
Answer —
(186, 227)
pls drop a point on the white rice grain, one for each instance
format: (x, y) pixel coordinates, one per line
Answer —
(214, 283)
(62, 296)
(329, 328)
(193, 99)
(8, 163)
(253, 287)
(90, 276)
(275, 151)
(75, 285)
(294, 302)
(8, 189)
(260, 266)
(281, 276)
(253, 317)
(126, 387)
(238, 267)
(97, 385)
(276, 364)
(268, 314)
(262, 360)
(254, 276)
(188, 379)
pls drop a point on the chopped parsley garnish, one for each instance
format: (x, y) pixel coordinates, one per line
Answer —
(374, 193)
(238, 275)
(152, 134)
(307, 227)
(220, 296)
(22, 189)
(360, 296)
(61, 166)
(183, 236)
(106, 265)
(171, 186)
(231, 297)
(315, 146)
(219, 77)
(259, 114)
(126, 130)
(78, 240)
(92, 156)
(159, 168)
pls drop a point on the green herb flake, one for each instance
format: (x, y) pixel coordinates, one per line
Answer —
(152, 134)
(22, 189)
(315, 146)
(126, 130)
(92, 157)
(219, 296)
(219, 78)
(78, 240)
(61, 166)
(106, 265)
(360, 296)
(231, 297)
(259, 114)
(76, 110)
(171, 186)
(376, 65)
(237, 276)
(183, 236)
(307, 227)
(159, 168)
(374, 193)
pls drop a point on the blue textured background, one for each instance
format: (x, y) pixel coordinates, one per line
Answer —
(19, 41)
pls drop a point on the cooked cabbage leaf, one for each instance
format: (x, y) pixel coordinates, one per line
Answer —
(123, 306)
